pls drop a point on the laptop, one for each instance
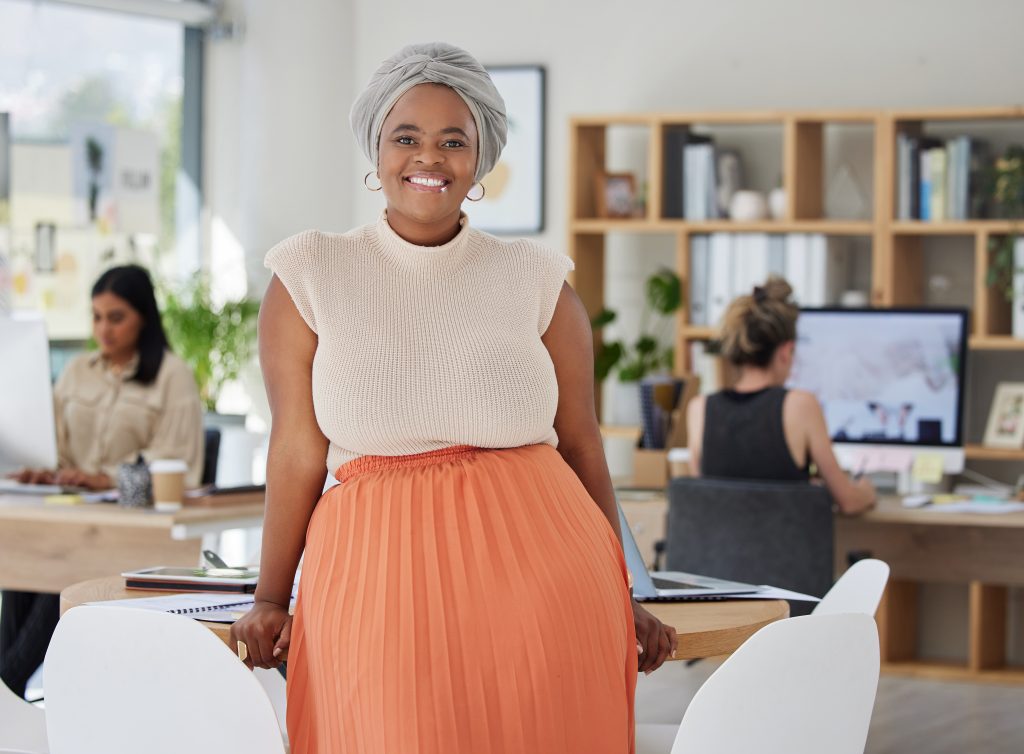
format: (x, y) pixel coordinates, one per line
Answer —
(687, 586)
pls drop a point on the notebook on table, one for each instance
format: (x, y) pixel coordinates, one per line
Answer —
(214, 608)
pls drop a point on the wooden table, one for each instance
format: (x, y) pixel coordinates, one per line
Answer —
(983, 551)
(46, 548)
(705, 629)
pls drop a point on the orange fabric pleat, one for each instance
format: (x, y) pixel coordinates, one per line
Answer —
(464, 601)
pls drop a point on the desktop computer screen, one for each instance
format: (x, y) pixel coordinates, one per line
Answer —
(27, 437)
(885, 376)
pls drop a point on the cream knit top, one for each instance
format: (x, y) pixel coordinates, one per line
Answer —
(422, 348)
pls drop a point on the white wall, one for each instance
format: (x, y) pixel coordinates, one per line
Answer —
(277, 155)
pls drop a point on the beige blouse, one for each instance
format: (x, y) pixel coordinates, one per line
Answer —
(104, 419)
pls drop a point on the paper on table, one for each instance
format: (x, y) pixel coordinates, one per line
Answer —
(975, 506)
(183, 604)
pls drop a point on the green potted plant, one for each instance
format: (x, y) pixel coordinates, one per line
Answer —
(215, 340)
(1007, 190)
(632, 362)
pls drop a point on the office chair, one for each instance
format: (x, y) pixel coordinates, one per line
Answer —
(777, 533)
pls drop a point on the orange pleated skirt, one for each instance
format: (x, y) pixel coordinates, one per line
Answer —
(465, 601)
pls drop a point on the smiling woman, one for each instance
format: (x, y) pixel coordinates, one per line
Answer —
(463, 588)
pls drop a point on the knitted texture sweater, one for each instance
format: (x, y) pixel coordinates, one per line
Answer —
(422, 348)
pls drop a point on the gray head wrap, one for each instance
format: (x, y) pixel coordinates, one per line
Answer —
(433, 63)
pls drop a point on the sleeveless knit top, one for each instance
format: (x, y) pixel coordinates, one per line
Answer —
(744, 437)
(422, 348)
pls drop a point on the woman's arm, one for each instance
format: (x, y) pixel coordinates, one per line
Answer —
(851, 497)
(569, 341)
(295, 472)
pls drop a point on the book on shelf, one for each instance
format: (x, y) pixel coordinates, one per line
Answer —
(672, 173)
(940, 180)
(700, 198)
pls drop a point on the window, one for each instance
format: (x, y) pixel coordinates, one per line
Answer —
(94, 115)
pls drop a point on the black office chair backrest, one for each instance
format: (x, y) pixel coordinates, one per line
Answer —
(778, 533)
(210, 454)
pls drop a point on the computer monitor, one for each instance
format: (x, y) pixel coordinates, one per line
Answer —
(27, 436)
(890, 379)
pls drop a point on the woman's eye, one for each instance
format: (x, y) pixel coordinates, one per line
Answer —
(404, 140)
(454, 144)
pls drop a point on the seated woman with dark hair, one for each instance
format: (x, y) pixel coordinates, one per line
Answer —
(758, 429)
(131, 397)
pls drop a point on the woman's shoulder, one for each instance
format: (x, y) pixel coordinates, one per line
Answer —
(526, 251)
(175, 371)
(801, 398)
(309, 245)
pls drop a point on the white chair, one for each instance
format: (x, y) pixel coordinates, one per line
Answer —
(859, 590)
(124, 681)
(800, 686)
(22, 725)
(276, 690)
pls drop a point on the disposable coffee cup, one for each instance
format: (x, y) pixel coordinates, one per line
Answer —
(679, 462)
(168, 483)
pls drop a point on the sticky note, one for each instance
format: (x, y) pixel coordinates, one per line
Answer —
(63, 499)
(927, 468)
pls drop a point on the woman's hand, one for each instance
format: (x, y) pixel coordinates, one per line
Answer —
(79, 478)
(33, 476)
(266, 631)
(656, 640)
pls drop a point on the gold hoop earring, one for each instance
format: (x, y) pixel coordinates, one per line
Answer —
(366, 179)
(483, 192)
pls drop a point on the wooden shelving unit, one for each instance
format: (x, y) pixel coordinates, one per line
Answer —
(898, 254)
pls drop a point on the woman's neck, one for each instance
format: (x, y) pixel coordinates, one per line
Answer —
(752, 379)
(434, 233)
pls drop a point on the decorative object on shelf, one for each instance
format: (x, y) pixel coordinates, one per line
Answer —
(513, 203)
(1005, 426)
(1006, 271)
(729, 171)
(846, 195)
(854, 299)
(616, 195)
(215, 340)
(663, 298)
(777, 203)
(747, 206)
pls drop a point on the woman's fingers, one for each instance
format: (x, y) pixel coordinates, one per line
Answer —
(285, 639)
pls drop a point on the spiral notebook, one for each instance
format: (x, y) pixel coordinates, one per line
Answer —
(215, 608)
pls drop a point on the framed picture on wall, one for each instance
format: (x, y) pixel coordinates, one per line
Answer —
(1005, 427)
(513, 202)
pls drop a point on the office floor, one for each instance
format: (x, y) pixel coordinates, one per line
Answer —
(911, 716)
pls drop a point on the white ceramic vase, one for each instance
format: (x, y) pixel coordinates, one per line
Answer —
(747, 206)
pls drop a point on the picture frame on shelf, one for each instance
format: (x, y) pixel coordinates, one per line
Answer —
(513, 201)
(1005, 425)
(616, 195)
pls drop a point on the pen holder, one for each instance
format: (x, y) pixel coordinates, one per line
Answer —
(134, 485)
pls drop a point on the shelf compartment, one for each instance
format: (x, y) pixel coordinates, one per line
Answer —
(669, 225)
(982, 453)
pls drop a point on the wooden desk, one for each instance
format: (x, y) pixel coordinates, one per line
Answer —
(706, 629)
(46, 548)
(983, 551)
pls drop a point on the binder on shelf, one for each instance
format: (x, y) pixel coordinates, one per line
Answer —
(720, 276)
(700, 250)
(673, 172)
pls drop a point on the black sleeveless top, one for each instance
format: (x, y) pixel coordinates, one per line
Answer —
(744, 439)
